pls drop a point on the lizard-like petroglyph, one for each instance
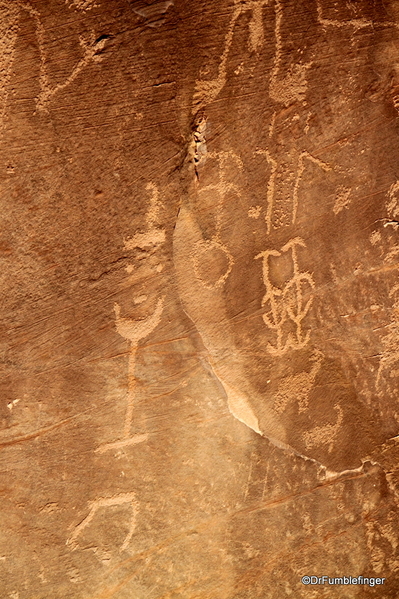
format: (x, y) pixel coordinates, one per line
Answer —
(106, 502)
(288, 304)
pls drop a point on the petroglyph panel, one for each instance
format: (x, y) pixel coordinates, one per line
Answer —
(199, 296)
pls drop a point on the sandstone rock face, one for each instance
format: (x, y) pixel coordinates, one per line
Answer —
(200, 298)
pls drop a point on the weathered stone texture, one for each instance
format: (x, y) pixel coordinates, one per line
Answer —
(200, 299)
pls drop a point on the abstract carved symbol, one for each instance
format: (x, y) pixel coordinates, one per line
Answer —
(212, 255)
(106, 502)
(287, 306)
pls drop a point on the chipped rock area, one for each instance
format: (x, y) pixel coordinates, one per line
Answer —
(200, 298)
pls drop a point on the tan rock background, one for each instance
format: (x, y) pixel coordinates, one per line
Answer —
(200, 298)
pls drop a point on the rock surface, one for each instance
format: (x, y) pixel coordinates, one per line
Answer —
(200, 299)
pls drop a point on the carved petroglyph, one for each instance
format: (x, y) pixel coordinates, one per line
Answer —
(153, 236)
(392, 203)
(256, 33)
(286, 305)
(254, 212)
(297, 387)
(134, 331)
(107, 502)
(211, 251)
(275, 166)
(390, 355)
(291, 87)
(323, 435)
(270, 187)
(342, 199)
(137, 330)
(9, 16)
(300, 170)
(207, 91)
(214, 251)
(91, 48)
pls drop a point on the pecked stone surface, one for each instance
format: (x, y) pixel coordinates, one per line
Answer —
(200, 300)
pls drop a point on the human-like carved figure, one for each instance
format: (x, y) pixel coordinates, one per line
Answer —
(136, 330)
